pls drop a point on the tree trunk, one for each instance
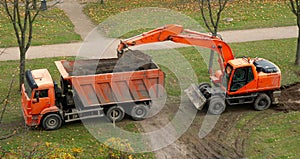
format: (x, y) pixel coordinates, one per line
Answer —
(34, 4)
(22, 69)
(297, 61)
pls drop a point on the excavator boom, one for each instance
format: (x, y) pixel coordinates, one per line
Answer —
(156, 35)
(177, 34)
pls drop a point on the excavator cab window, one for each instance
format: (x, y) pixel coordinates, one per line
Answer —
(226, 76)
(241, 77)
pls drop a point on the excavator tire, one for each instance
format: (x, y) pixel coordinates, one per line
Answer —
(203, 85)
(262, 102)
(216, 105)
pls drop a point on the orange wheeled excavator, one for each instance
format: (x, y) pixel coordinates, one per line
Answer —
(238, 81)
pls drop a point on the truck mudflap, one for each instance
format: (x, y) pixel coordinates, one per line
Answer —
(195, 96)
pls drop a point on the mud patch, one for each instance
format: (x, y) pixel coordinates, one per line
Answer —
(290, 98)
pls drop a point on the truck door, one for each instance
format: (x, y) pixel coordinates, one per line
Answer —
(241, 77)
(40, 101)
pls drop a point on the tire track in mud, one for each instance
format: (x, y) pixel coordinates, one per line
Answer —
(219, 143)
(190, 145)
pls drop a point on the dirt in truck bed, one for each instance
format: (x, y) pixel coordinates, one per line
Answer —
(130, 61)
(222, 141)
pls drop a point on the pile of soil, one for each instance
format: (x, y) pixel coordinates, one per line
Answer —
(290, 98)
(130, 61)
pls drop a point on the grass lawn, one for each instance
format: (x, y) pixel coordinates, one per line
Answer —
(274, 138)
(74, 139)
(246, 14)
(51, 27)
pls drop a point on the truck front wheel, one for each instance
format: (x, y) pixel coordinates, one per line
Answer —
(115, 113)
(262, 102)
(51, 121)
(139, 112)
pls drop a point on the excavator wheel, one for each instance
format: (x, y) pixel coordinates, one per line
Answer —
(262, 102)
(203, 85)
(216, 105)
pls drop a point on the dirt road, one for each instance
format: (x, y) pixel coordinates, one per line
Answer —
(222, 141)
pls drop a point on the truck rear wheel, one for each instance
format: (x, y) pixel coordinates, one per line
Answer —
(262, 102)
(115, 113)
(52, 121)
(216, 105)
(139, 112)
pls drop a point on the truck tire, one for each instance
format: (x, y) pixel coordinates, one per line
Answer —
(52, 121)
(262, 102)
(116, 113)
(139, 112)
(216, 105)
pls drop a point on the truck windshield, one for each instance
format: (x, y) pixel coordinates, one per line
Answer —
(226, 76)
(28, 90)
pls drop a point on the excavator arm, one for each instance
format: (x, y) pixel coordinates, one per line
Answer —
(177, 34)
(156, 35)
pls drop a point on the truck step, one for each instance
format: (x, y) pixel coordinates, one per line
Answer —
(75, 111)
(86, 117)
(83, 114)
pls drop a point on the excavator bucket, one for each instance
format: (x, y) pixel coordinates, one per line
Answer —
(195, 96)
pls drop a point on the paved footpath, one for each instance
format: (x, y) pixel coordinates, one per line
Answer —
(83, 26)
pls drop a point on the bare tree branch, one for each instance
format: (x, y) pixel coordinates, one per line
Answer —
(214, 19)
(6, 99)
(201, 6)
(22, 15)
(210, 13)
(8, 135)
(2, 51)
(293, 7)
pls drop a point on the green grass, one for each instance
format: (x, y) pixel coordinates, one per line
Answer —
(276, 136)
(249, 14)
(246, 14)
(281, 52)
(62, 141)
(50, 27)
(74, 135)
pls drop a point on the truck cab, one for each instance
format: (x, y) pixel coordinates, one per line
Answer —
(38, 96)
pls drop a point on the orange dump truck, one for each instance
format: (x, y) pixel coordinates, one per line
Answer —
(92, 88)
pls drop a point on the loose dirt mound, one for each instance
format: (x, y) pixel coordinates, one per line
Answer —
(132, 60)
(290, 98)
